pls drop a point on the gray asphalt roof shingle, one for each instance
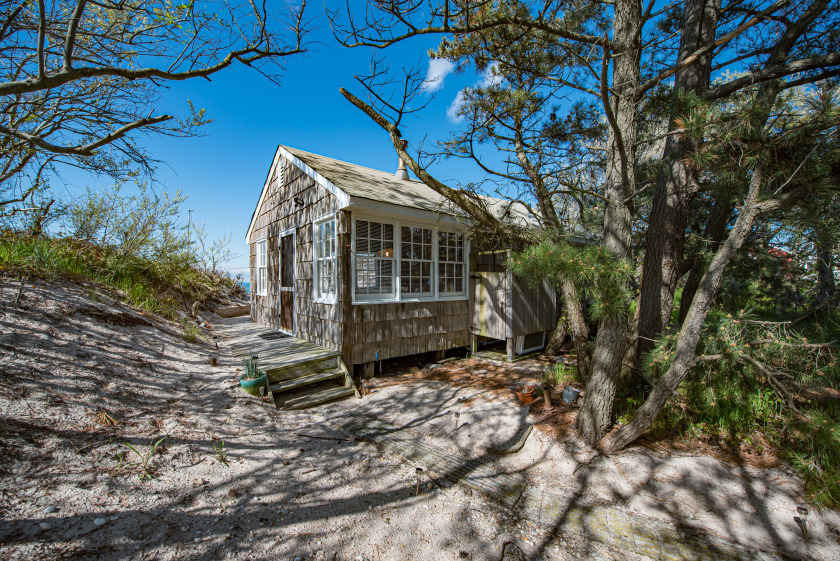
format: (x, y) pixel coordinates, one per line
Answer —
(359, 181)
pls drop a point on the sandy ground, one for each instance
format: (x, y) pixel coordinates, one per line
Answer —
(236, 479)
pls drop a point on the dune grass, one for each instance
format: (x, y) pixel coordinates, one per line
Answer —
(158, 284)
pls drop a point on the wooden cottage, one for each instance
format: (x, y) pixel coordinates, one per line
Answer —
(372, 266)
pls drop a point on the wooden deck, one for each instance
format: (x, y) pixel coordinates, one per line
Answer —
(300, 374)
(275, 350)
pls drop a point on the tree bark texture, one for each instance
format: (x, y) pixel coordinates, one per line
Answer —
(685, 357)
(558, 337)
(713, 233)
(577, 328)
(826, 287)
(619, 102)
(675, 187)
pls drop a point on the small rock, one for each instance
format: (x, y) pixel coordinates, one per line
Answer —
(45, 526)
(100, 521)
(50, 509)
(196, 540)
(511, 552)
(213, 361)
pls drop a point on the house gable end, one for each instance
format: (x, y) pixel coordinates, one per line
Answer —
(343, 198)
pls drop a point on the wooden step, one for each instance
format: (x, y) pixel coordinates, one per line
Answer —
(280, 371)
(306, 380)
(317, 398)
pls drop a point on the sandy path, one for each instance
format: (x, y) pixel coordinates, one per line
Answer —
(75, 387)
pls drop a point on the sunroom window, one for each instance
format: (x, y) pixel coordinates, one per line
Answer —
(262, 271)
(374, 260)
(416, 261)
(324, 259)
(396, 261)
(450, 263)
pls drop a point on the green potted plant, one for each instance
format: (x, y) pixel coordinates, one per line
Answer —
(254, 378)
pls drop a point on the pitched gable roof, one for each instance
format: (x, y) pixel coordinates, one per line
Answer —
(351, 182)
(366, 183)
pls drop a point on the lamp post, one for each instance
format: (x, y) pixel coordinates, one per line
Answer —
(189, 227)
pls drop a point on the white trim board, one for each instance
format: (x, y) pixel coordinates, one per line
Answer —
(398, 296)
(380, 208)
(343, 197)
(290, 232)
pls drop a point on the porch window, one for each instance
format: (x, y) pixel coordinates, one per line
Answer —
(262, 271)
(324, 259)
(374, 260)
(416, 261)
(450, 264)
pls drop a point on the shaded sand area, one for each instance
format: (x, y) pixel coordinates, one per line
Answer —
(236, 479)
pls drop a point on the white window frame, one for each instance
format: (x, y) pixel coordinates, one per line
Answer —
(393, 296)
(290, 232)
(262, 280)
(317, 294)
(432, 262)
(397, 295)
(464, 261)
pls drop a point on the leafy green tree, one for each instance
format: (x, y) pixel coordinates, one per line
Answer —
(685, 138)
(79, 79)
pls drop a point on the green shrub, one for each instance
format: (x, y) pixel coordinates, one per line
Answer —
(733, 401)
(160, 287)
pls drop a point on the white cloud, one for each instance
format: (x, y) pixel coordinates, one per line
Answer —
(489, 77)
(439, 69)
(454, 107)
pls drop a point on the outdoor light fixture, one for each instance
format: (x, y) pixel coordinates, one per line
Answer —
(417, 472)
(803, 520)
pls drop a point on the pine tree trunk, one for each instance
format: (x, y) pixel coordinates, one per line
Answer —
(595, 415)
(826, 287)
(577, 328)
(675, 186)
(554, 346)
(714, 232)
(685, 357)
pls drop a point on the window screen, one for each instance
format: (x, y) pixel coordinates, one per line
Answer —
(325, 271)
(374, 259)
(450, 263)
(416, 260)
(287, 263)
(262, 271)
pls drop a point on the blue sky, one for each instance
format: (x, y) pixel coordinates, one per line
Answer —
(222, 172)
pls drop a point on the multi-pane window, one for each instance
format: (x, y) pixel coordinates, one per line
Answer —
(450, 263)
(374, 259)
(325, 261)
(395, 261)
(262, 271)
(416, 260)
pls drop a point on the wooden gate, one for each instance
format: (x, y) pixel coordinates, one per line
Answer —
(489, 307)
(287, 283)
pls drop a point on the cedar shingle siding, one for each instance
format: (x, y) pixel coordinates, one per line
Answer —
(358, 331)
